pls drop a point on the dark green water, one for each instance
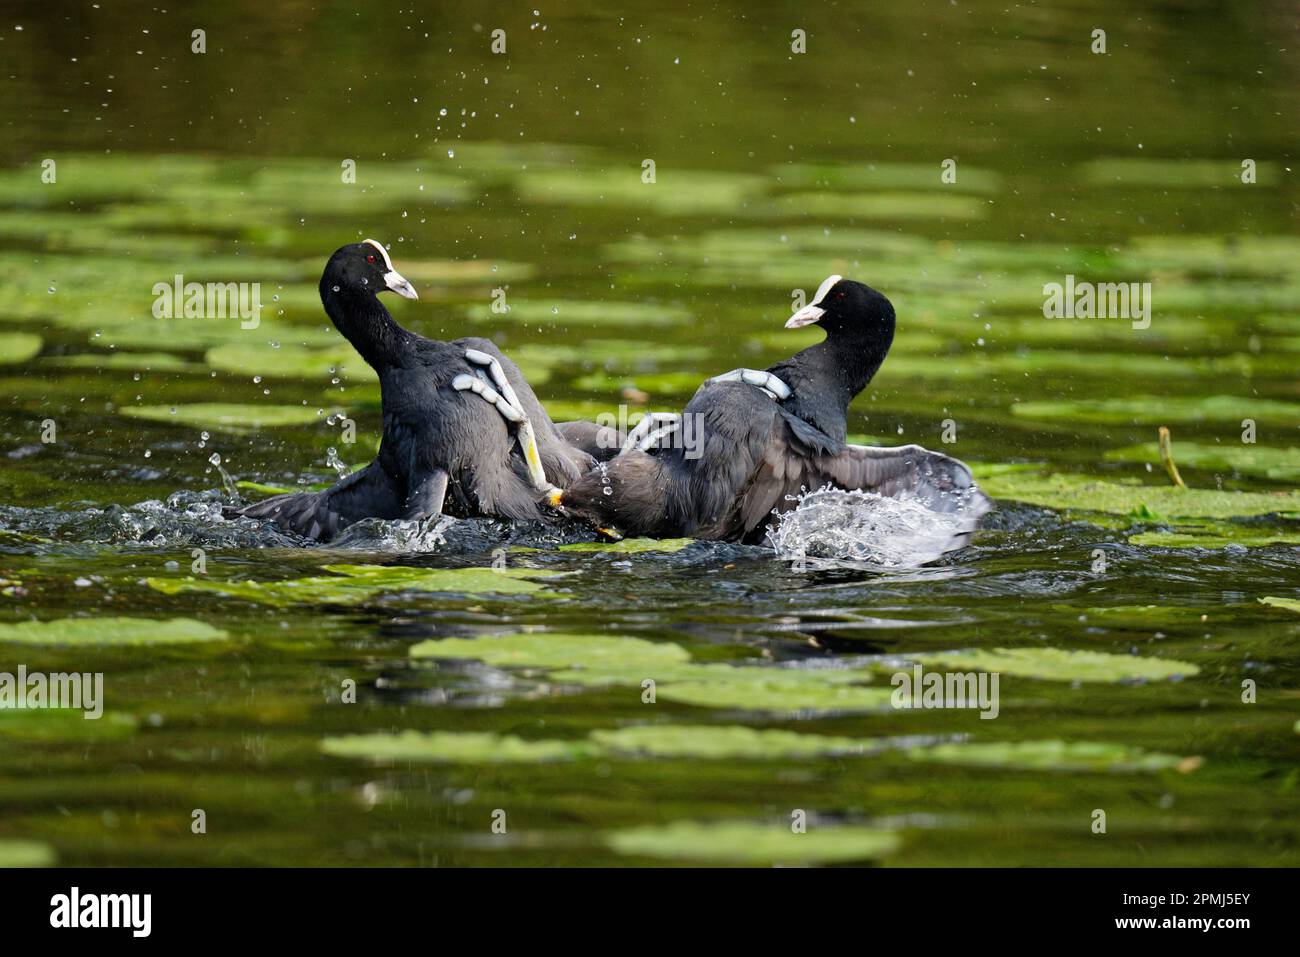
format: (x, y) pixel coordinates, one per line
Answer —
(773, 169)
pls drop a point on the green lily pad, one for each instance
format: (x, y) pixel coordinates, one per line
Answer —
(50, 725)
(892, 206)
(675, 191)
(133, 361)
(558, 650)
(110, 631)
(225, 417)
(1281, 465)
(453, 748)
(352, 584)
(740, 842)
(631, 545)
(1161, 410)
(1055, 664)
(1217, 535)
(1052, 756)
(1138, 617)
(580, 312)
(914, 176)
(1127, 497)
(667, 383)
(291, 362)
(18, 347)
(26, 854)
(600, 660)
(1290, 604)
(718, 742)
(786, 691)
(1173, 173)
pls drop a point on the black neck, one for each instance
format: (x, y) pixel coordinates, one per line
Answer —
(827, 376)
(365, 323)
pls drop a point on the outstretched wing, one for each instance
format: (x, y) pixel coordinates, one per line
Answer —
(321, 515)
(787, 468)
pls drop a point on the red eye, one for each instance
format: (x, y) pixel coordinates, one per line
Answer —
(370, 259)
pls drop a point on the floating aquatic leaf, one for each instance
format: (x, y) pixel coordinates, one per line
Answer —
(352, 584)
(769, 689)
(558, 650)
(740, 842)
(134, 361)
(1052, 756)
(294, 362)
(18, 347)
(580, 312)
(598, 660)
(110, 631)
(26, 854)
(1129, 497)
(1157, 410)
(1172, 173)
(718, 742)
(1056, 664)
(1290, 604)
(57, 725)
(1139, 617)
(1217, 535)
(1281, 465)
(878, 205)
(225, 417)
(631, 545)
(667, 383)
(454, 748)
(676, 191)
(917, 176)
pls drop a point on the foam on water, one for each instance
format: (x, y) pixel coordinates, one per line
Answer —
(866, 528)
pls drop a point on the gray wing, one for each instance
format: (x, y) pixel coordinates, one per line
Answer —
(941, 482)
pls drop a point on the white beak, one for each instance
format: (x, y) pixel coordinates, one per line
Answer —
(398, 283)
(812, 312)
(805, 316)
(393, 279)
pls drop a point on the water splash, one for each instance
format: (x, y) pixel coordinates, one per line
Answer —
(337, 464)
(866, 528)
(227, 482)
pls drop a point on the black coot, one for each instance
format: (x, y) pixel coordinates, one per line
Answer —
(750, 441)
(444, 448)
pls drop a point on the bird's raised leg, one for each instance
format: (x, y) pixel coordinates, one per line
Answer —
(505, 400)
(766, 381)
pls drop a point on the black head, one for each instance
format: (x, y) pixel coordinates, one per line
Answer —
(361, 268)
(844, 306)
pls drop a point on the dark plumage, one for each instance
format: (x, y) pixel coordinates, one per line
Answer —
(754, 450)
(442, 449)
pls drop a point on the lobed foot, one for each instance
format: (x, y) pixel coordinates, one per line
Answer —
(766, 381)
(504, 399)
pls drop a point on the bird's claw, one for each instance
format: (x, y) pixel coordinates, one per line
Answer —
(766, 381)
(505, 401)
